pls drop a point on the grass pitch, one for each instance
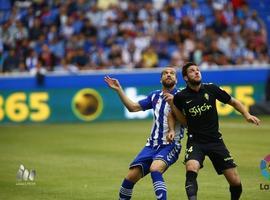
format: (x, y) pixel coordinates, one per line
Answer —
(89, 161)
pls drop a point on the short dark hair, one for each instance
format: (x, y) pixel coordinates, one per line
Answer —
(186, 66)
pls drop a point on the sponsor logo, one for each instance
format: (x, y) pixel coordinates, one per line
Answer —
(160, 196)
(87, 104)
(265, 171)
(198, 110)
(188, 101)
(265, 167)
(25, 176)
(206, 96)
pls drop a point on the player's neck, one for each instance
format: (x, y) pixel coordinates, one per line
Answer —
(164, 89)
(194, 87)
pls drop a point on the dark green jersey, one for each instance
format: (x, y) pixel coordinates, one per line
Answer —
(201, 112)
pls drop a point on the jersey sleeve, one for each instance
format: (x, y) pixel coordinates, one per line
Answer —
(177, 101)
(146, 103)
(221, 94)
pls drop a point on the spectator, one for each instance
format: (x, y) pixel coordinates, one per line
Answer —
(224, 42)
(149, 58)
(11, 62)
(31, 60)
(115, 56)
(65, 66)
(177, 57)
(47, 58)
(131, 55)
(67, 29)
(35, 31)
(81, 59)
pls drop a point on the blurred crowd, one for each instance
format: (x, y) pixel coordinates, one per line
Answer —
(73, 35)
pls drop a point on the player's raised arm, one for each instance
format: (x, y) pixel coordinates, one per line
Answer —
(241, 108)
(115, 85)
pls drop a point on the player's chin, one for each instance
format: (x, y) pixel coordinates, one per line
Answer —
(169, 83)
(198, 78)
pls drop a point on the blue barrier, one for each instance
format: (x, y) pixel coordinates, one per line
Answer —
(86, 97)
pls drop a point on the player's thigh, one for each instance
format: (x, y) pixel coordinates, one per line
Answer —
(194, 157)
(158, 165)
(144, 160)
(167, 155)
(220, 157)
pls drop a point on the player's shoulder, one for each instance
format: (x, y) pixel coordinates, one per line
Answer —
(175, 91)
(155, 92)
(210, 86)
(181, 93)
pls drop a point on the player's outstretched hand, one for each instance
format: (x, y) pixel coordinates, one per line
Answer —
(253, 119)
(170, 136)
(112, 83)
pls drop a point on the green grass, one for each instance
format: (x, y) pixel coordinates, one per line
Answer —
(89, 161)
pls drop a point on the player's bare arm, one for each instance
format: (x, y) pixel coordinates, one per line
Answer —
(241, 108)
(176, 112)
(115, 85)
(171, 123)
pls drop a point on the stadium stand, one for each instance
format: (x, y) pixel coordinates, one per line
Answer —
(59, 35)
(262, 7)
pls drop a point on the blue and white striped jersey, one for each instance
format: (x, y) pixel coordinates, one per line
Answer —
(160, 126)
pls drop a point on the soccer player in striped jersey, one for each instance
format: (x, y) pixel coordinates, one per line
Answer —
(159, 152)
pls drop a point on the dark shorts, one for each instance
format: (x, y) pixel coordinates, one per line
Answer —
(167, 153)
(217, 153)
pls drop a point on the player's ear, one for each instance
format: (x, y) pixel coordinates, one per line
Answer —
(185, 78)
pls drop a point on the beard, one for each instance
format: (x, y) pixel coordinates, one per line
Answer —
(194, 82)
(168, 84)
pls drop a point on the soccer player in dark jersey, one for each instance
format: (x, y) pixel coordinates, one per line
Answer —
(158, 154)
(198, 103)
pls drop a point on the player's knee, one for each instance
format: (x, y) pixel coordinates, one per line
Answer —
(193, 165)
(233, 177)
(134, 174)
(156, 169)
(235, 181)
(158, 166)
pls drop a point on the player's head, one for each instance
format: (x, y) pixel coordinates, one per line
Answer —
(191, 73)
(168, 77)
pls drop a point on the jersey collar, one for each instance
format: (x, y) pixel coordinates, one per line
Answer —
(201, 88)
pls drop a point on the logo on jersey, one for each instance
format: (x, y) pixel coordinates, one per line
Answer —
(265, 167)
(206, 96)
(188, 101)
(198, 110)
